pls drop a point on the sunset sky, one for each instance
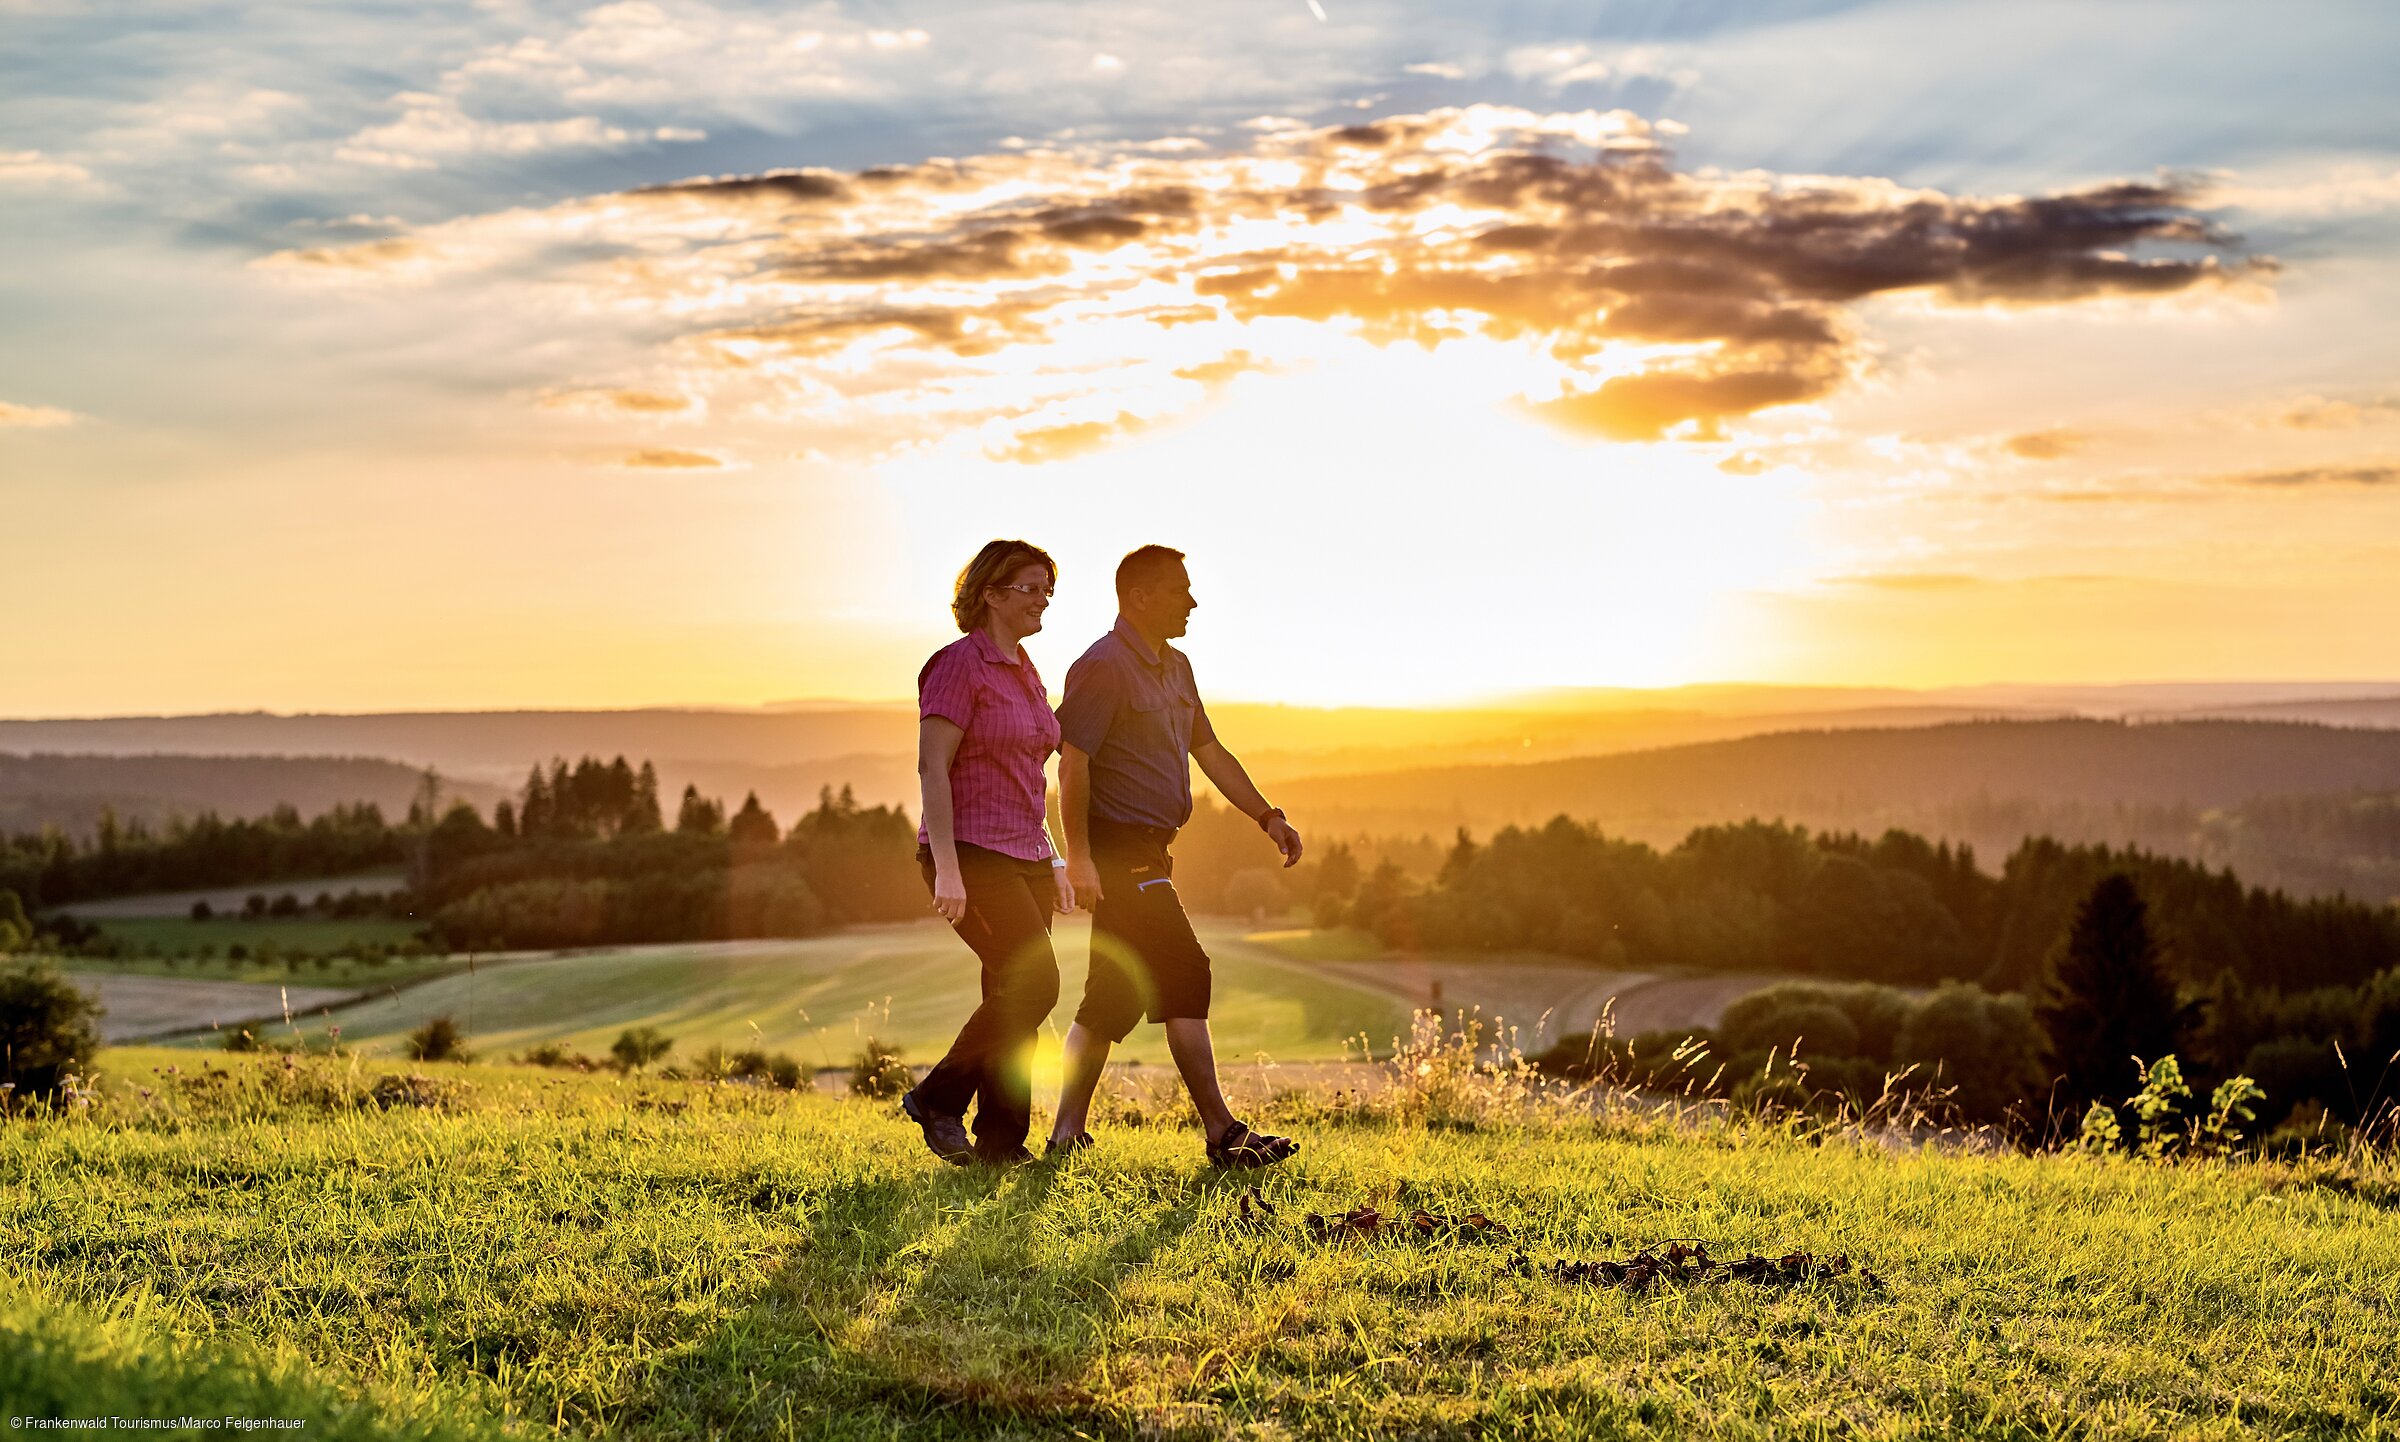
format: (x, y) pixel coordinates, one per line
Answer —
(366, 356)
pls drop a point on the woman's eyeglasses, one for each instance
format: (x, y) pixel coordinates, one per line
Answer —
(1045, 592)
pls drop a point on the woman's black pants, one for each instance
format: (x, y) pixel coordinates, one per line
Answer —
(1007, 922)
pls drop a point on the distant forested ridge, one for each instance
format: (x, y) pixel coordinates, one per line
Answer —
(2305, 807)
(72, 793)
(1898, 909)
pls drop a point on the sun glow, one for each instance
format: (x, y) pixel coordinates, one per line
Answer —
(1387, 526)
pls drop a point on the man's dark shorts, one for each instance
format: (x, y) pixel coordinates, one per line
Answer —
(1145, 959)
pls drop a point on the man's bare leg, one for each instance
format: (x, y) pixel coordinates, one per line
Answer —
(1085, 1055)
(1196, 1057)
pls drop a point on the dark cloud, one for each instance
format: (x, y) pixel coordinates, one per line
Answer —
(780, 187)
(2379, 474)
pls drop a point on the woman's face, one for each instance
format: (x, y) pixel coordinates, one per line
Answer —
(1020, 610)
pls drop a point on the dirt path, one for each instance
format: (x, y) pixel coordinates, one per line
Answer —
(141, 1006)
(1548, 1003)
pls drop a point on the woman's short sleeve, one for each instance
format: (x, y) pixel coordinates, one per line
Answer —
(946, 687)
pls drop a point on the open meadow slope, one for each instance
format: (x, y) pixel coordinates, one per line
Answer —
(909, 985)
(504, 1248)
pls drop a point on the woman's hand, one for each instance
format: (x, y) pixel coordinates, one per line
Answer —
(949, 892)
(1066, 888)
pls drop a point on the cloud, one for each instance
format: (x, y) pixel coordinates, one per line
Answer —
(2369, 474)
(1439, 69)
(32, 170)
(1907, 580)
(1097, 283)
(2315, 413)
(433, 128)
(1064, 442)
(663, 459)
(614, 401)
(35, 417)
(2047, 445)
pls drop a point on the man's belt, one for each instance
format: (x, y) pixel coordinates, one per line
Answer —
(1103, 828)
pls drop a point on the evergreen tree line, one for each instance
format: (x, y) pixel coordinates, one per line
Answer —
(1899, 909)
(51, 869)
(2108, 1001)
(581, 858)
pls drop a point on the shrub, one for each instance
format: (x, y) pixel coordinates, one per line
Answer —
(46, 1030)
(285, 905)
(879, 1074)
(636, 1047)
(778, 1070)
(16, 929)
(1781, 1015)
(240, 1039)
(438, 1040)
(202, 911)
(1986, 1048)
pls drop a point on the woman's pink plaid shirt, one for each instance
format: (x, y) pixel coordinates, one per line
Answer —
(996, 786)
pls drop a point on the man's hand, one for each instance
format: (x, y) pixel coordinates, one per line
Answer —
(1287, 840)
(1084, 876)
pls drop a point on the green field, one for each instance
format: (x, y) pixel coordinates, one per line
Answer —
(910, 985)
(182, 936)
(537, 1253)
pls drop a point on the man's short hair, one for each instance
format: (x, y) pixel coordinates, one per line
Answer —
(1145, 566)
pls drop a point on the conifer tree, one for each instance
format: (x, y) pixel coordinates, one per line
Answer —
(699, 816)
(2106, 999)
(753, 825)
(643, 814)
(533, 818)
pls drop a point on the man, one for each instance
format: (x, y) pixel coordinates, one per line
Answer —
(1130, 717)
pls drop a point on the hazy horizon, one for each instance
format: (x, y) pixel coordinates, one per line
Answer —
(2195, 692)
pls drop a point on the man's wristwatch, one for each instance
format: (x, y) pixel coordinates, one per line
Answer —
(1272, 813)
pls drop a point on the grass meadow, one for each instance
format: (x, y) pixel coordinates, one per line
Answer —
(908, 985)
(505, 1251)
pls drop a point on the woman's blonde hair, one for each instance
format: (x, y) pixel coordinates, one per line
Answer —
(992, 566)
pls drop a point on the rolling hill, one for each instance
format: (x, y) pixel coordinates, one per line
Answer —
(70, 791)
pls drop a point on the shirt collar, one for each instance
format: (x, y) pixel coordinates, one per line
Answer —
(987, 650)
(1124, 632)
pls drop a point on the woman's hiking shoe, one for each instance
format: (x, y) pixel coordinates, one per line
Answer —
(945, 1137)
(1061, 1148)
(1242, 1147)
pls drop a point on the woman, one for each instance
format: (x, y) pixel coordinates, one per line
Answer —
(984, 731)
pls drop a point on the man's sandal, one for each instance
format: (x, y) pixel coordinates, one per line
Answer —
(1242, 1147)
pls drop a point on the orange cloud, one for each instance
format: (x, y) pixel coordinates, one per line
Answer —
(35, 417)
(1058, 443)
(660, 458)
(2046, 445)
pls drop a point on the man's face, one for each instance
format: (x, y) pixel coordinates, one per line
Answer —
(1165, 607)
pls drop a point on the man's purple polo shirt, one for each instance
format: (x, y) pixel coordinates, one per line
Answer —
(1137, 714)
